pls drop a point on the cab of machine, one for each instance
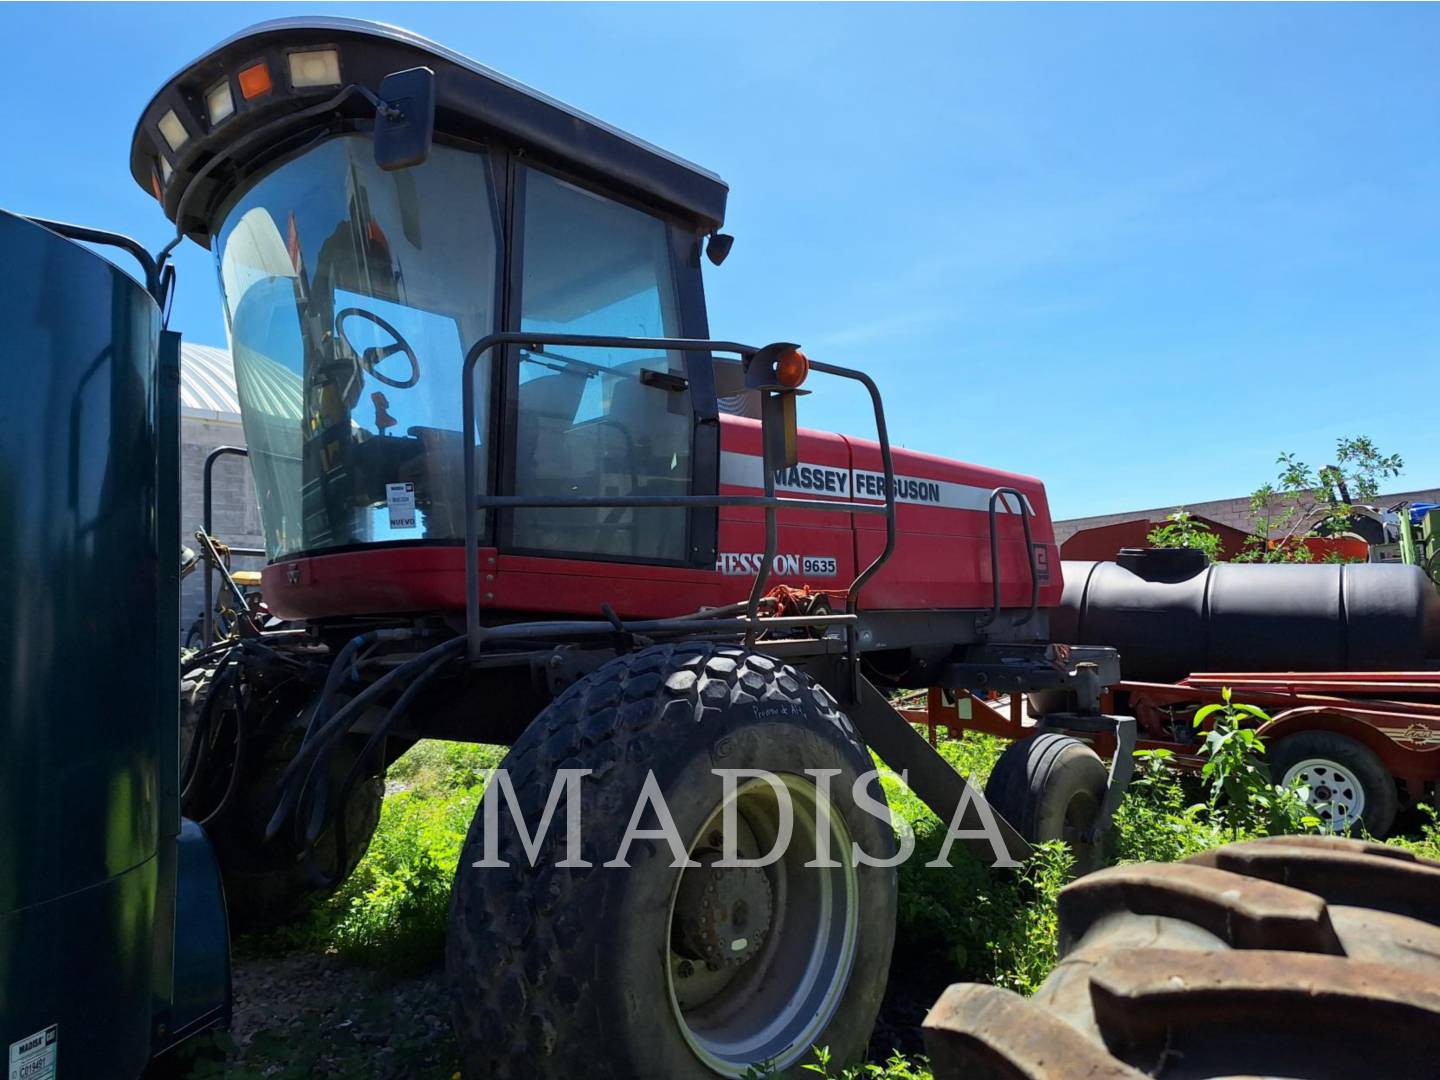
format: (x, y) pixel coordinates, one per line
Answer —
(353, 291)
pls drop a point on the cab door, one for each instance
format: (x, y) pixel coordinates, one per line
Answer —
(594, 422)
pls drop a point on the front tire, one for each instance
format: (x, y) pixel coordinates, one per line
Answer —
(1050, 787)
(267, 883)
(611, 972)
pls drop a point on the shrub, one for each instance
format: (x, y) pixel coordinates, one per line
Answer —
(1426, 842)
(1241, 792)
(895, 1067)
(990, 926)
(435, 764)
(1157, 821)
(1182, 530)
(391, 912)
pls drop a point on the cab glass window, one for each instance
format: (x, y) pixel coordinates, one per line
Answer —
(352, 296)
(590, 422)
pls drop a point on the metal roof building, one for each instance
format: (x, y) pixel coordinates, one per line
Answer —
(207, 383)
(210, 417)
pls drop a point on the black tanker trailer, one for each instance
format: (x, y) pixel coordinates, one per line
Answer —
(1171, 614)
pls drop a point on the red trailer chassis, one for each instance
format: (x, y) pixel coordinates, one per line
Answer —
(1395, 714)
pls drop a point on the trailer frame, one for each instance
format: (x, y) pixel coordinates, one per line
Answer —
(1394, 713)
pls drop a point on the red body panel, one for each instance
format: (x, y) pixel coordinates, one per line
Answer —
(941, 561)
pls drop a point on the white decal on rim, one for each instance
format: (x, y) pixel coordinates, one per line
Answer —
(861, 485)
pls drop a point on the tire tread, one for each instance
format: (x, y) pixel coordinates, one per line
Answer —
(514, 949)
(1253, 957)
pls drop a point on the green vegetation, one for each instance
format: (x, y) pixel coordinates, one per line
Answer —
(434, 765)
(1307, 502)
(1182, 530)
(391, 912)
(1301, 502)
(1242, 794)
(988, 927)
(1425, 842)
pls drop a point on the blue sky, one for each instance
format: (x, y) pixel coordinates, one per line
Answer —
(1136, 251)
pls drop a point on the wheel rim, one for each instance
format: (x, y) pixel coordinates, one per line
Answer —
(1080, 814)
(764, 1000)
(1334, 793)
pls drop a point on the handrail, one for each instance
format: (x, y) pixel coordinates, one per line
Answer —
(769, 502)
(207, 617)
(154, 284)
(887, 464)
(994, 612)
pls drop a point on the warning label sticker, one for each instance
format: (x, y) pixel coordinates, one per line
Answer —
(33, 1057)
(400, 498)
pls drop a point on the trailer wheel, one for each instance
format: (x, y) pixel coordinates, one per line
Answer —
(1348, 783)
(658, 971)
(266, 883)
(1050, 787)
(1291, 956)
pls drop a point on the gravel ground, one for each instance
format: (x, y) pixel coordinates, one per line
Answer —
(305, 1014)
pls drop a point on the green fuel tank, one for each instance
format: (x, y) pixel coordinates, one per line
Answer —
(113, 943)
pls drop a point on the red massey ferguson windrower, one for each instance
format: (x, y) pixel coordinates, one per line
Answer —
(513, 492)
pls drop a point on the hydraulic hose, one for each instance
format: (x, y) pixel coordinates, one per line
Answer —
(237, 767)
(347, 664)
(224, 675)
(336, 725)
(382, 730)
(316, 786)
(316, 823)
(254, 644)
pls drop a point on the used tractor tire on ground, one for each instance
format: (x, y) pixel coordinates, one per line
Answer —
(1310, 958)
(267, 883)
(1050, 787)
(1349, 784)
(656, 971)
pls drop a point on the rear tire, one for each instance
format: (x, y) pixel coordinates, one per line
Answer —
(1348, 782)
(267, 883)
(1311, 957)
(582, 972)
(1050, 787)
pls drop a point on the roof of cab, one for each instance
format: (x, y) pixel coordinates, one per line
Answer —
(472, 100)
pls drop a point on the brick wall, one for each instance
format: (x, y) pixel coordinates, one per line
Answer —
(236, 514)
(1234, 512)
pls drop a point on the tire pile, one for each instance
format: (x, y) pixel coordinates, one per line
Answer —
(1300, 957)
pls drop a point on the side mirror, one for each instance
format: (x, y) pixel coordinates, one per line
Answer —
(717, 249)
(405, 119)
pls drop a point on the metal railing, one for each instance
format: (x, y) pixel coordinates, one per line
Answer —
(154, 270)
(751, 624)
(994, 612)
(208, 553)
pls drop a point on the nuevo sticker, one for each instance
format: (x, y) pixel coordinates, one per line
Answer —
(33, 1057)
(400, 498)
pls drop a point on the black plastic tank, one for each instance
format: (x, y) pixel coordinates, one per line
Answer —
(1171, 614)
(112, 928)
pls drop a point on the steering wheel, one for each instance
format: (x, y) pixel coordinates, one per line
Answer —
(371, 358)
